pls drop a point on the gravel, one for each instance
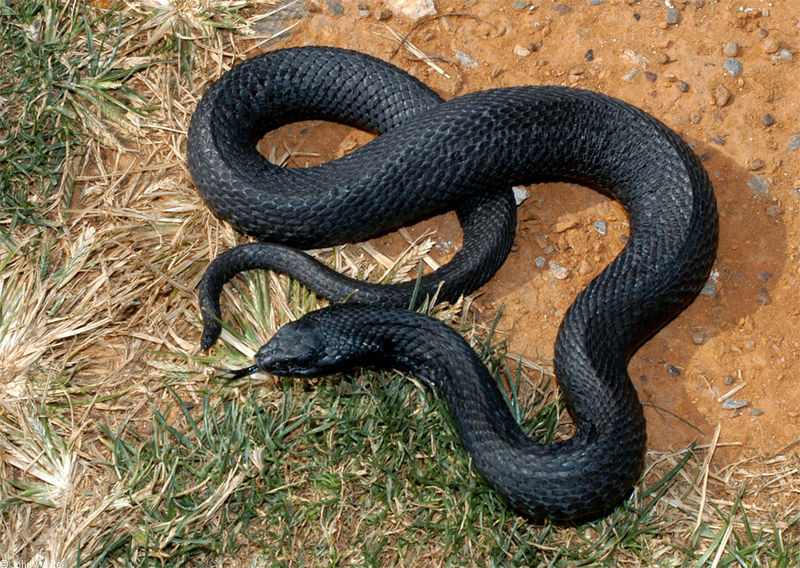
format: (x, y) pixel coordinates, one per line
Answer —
(732, 66)
(630, 75)
(782, 55)
(730, 49)
(672, 16)
(601, 227)
(758, 184)
(558, 272)
(721, 95)
(465, 59)
(521, 193)
(734, 403)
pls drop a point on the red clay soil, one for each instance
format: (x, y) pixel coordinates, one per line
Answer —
(744, 332)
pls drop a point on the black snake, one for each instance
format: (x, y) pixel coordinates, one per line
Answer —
(463, 154)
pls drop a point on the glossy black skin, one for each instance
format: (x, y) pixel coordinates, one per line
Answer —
(437, 155)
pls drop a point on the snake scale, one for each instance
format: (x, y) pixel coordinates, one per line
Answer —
(463, 154)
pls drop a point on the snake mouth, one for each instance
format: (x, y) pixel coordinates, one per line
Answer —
(235, 374)
(294, 351)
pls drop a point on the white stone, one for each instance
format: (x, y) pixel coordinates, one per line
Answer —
(521, 193)
(414, 9)
(521, 51)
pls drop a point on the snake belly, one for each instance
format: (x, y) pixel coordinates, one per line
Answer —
(462, 154)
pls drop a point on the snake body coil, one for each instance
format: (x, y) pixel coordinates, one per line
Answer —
(463, 154)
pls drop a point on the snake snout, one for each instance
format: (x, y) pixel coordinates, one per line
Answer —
(295, 350)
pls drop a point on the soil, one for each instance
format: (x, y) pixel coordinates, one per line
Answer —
(742, 333)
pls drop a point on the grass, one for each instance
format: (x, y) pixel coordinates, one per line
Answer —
(119, 447)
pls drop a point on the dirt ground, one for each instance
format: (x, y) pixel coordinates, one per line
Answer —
(739, 342)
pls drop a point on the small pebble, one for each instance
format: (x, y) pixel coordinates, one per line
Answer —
(734, 403)
(672, 16)
(730, 49)
(755, 164)
(758, 184)
(756, 411)
(558, 272)
(562, 9)
(709, 288)
(589, 55)
(698, 338)
(465, 59)
(521, 51)
(413, 9)
(763, 297)
(782, 55)
(629, 76)
(721, 95)
(770, 45)
(521, 193)
(764, 275)
(718, 140)
(336, 8)
(663, 58)
(596, 2)
(643, 378)
(683, 86)
(520, 4)
(540, 261)
(729, 380)
(601, 227)
(794, 143)
(732, 66)
(384, 15)
(674, 371)
(637, 16)
(650, 76)
(768, 120)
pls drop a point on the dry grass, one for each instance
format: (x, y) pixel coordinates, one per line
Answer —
(117, 446)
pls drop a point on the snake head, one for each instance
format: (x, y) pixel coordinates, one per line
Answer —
(308, 347)
(323, 342)
(296, 350)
